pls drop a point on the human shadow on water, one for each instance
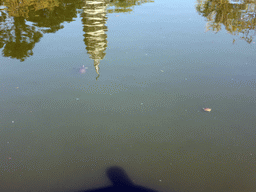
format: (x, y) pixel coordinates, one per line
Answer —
(121, 182)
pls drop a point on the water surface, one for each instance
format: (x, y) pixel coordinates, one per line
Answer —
(152, 67)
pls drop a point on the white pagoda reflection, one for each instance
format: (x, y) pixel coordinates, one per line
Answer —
(94, 25)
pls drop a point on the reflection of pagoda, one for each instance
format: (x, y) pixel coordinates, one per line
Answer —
(94, 20)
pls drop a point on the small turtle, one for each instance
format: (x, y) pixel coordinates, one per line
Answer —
(82, 69)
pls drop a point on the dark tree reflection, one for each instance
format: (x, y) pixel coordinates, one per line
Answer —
(17, 38)
(237, 16)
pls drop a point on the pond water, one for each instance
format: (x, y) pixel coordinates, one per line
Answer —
(86, 85)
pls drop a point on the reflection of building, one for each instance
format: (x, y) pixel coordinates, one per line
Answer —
(95, 37)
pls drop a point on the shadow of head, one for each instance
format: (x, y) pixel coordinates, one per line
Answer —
(118, 177)
(120, 182)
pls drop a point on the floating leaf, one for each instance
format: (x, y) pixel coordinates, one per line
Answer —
(207, 109)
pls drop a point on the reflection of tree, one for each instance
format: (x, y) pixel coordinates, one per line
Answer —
(51, 14)
(19, 38)
(3, 21)
(121, 6)
(95, 37)
(20, 44)
(237, 16)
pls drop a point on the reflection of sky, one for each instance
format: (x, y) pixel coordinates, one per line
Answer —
(2, 8)
(236, 1)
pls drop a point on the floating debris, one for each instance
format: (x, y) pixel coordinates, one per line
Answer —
(12, 121)
(207, 109)
(77, 99)
(161, 70)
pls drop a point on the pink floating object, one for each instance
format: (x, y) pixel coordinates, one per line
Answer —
(207, 109)
(83, 69)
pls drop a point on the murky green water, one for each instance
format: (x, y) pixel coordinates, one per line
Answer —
(137, 103)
